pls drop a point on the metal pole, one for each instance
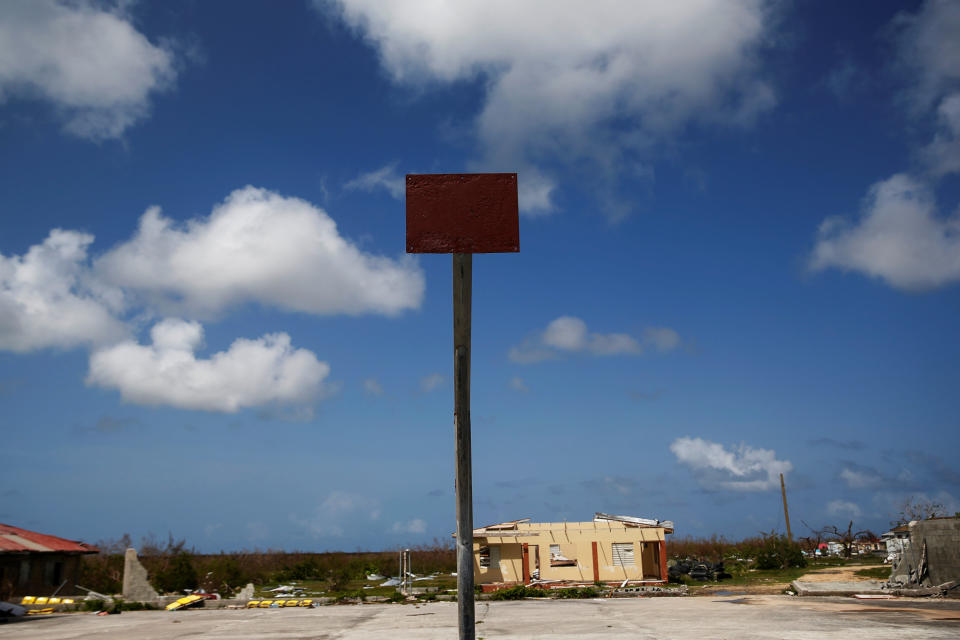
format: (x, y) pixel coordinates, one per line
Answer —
(462, 285)
(786, 513)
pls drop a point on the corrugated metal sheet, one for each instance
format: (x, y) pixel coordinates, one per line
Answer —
(17, 540)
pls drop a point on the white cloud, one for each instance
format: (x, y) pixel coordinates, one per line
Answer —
(412, 526)
(898, 237)
(47, 298)
(600, 85)
(743, 468)
(372, 387)
(928, 47)
(942, 155)
(385, 177)
(661, 338)
(518, 384)
(566, 332)
(570, 334)
(259, 246)
(844, 508)
(862, 478)
(336, 510)
(86, 59)
(431, 382)
(250, 373)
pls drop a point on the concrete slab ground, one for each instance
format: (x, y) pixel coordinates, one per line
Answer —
(746, 617)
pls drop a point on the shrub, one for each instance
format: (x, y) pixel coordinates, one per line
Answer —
(778, 552)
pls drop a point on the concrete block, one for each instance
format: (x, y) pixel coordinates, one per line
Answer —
(136, 587)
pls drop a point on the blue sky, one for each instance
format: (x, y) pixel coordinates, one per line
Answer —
(740, 255)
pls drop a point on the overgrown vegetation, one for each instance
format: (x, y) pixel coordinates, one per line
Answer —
(766, 551)
(173, 567)
(520, 592)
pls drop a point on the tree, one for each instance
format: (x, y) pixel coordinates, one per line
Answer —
(918, 509)
(845, 538)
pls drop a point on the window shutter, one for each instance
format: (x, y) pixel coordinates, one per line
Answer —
(623, 554)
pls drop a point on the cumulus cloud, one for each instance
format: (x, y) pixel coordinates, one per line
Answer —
(858, 476)
(742, 468)
(602, 85)
(48, 299)
(431, 382)
(942, 155)
(899, 237)
(385, 178)
(412, 526)
(86, 59)
(928, 46)
(844, 508)
(167, 372)
(570, 334)
(259, 246)
(336, 509)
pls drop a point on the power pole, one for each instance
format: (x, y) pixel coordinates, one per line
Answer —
(786, 512)
(463, 214)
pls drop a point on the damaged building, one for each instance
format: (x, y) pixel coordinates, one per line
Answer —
(925, 554)
(34, 563)
(608, 549)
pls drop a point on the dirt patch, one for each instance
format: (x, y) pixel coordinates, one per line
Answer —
(839, 574)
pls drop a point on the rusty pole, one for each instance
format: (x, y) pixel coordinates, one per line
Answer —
(786, 512)
(462, 285)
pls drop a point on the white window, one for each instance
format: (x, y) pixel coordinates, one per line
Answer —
(623, 554)
(563, 555)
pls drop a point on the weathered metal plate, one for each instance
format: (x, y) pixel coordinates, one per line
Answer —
(462, 213)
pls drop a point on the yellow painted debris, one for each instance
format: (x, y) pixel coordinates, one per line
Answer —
(183, 602)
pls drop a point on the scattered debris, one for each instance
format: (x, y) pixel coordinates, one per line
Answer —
(8, 609)
(700, 571)
(282, 603)
(194, 600)
(246, 593)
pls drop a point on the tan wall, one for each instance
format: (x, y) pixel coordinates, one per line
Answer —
(576, 542)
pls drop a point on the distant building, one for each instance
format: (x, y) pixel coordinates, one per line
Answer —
(38, 564)
(610, 549)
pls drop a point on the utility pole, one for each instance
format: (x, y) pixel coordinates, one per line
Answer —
(463, 214)
(786, 512)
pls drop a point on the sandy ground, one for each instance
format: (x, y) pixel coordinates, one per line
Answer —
(840, 574)
(829, 574)
(680, 618)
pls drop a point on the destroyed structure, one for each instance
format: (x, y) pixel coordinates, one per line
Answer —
(925, 554)
(136, 585)
(609, 549)
(32, 562)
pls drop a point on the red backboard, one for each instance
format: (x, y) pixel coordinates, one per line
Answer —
(462, 213)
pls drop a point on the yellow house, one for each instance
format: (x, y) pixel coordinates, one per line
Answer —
(608, 549)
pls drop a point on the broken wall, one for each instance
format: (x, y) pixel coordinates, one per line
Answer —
(136, 586)
(942, 536)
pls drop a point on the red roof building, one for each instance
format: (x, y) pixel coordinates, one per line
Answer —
(38, 564)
